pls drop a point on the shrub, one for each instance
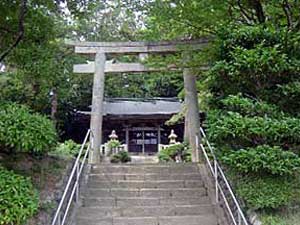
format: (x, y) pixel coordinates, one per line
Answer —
(263, 159)
(170, 153)
(187, 154)
(231, 128)
(250, 107)
(69, 148)
(120, 157)
(288, 97)
(18, 198)
(265, 192)
(24, 131)
(113, 145)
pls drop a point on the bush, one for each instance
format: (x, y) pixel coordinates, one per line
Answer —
(250, 107)
(24, 131)
(265, 192)
(18, 198)
(69, 148)
(120, 157)
(113, 145)
(170, 153)
(231, 128)
(263, 159)
(253, 82)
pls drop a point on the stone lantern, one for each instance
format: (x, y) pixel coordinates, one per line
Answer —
(172, 137)
(113, 143)
(113, 135)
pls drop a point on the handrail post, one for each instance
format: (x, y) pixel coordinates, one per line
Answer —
(197, 147)
(239, 219)
(77, 183)
(216, 181)
(59, 218)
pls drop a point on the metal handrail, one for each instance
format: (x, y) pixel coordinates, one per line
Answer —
(235, 212)
(72, 186)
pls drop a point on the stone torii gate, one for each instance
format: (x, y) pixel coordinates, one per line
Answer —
(100, 67)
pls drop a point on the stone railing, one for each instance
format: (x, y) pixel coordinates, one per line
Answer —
(106, 151)
(162, 146)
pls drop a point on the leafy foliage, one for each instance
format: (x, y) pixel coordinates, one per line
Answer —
(24, 131)
(189, 18)
(250, 107)
(236, 130)
(263, 160)
(68, 148)
(170, 153)
(265, 192)
(253, 119)
(253, 60)
(280, 218)
(120, 157)
(18, 198)
(288, 97)
(113, 144)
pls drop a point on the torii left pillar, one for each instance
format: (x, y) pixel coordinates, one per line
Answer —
(97, 107)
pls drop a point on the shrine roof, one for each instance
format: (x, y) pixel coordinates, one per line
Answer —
(153, 106)
(140, 106)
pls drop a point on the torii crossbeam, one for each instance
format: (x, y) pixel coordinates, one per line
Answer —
(100, 66)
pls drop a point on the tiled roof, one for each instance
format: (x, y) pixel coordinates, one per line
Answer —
(154, 106)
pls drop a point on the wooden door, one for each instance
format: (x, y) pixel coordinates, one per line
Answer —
(136, 141)
(150, 142)
(143, 141)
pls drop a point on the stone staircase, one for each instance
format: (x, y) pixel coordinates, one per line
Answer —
(146, 194)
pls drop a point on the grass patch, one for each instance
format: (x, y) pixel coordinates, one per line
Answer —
(282, 218)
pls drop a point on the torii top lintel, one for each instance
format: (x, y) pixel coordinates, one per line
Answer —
(138, 47)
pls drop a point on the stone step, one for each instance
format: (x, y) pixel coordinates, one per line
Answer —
(147, 159)
(208, 219)
(146, 192)
(146, 184)
(136, 201)
(144, 211)
(145, 169)
(146, 176)
(162, 164)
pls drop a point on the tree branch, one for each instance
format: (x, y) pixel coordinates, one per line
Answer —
(23, 9)
(5, 29)
(258, 10)
(288, 13)
(249, 19)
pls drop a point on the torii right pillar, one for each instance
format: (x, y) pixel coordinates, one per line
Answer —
(192, 113)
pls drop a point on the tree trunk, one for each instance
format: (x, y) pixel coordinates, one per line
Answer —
(193, 119)
(259, 11)
(54, 104)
